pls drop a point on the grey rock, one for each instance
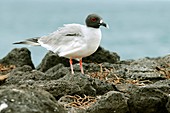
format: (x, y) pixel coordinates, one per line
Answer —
(152, 76)
(117, 92)
(165, 59)
(58, 88)
(168, 104)
(28, 100)
(111, 102)
(148, 100)
(163, 85)
(127, 88)
(57, 72)
(50, 60)
(90, 67)
(24, 75)
(89, 86)
(102, 55)
(141, 69)
(75, 84)
(18, 57)
(144, 64)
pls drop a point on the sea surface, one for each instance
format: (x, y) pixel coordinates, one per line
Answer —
(138, 28)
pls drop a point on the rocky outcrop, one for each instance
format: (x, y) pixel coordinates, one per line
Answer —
(108, 85)
(18, 57)
(25, 99)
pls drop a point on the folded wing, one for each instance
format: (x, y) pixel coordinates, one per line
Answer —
(65, 41)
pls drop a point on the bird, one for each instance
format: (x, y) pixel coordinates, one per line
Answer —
(72, 41)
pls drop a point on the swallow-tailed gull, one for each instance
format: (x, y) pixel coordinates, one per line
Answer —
(73, 41)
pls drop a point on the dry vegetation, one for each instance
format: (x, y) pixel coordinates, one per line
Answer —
(4, 68)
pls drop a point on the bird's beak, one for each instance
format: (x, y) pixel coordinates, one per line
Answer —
(104, 24)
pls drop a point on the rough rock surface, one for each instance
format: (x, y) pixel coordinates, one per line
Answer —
(68, 84)
(111, 102)
(108, 86)
(27, 100)
(148, 97)
(168, 105)
(18, 57)
(107, 56)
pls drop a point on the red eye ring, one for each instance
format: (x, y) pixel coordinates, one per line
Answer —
(93, 19)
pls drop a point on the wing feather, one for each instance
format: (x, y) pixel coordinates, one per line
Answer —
(65, 39)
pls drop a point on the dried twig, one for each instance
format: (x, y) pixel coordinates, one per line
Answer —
(80, 102)
(102, 74)
(6, 68)
(3, 77)
(164, 71)
(114, 78)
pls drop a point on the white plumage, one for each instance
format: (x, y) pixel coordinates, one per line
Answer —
(73, 41)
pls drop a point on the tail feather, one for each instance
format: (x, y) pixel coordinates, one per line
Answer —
(31, 41)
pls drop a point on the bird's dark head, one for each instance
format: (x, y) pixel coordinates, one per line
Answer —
(95, 21)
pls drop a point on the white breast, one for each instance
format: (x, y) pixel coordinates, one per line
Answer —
(93, 37)
(91, 42)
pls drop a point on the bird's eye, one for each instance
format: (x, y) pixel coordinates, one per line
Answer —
(93, 19)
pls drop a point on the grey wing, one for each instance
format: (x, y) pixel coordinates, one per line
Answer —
(67, 38)
(31, 41)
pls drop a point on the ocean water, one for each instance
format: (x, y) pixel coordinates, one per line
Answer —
(137, 28)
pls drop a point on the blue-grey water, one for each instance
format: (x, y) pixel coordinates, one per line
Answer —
(137, 28)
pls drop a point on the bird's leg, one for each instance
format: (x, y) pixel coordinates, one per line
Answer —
(81, 66)
(71, 66)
